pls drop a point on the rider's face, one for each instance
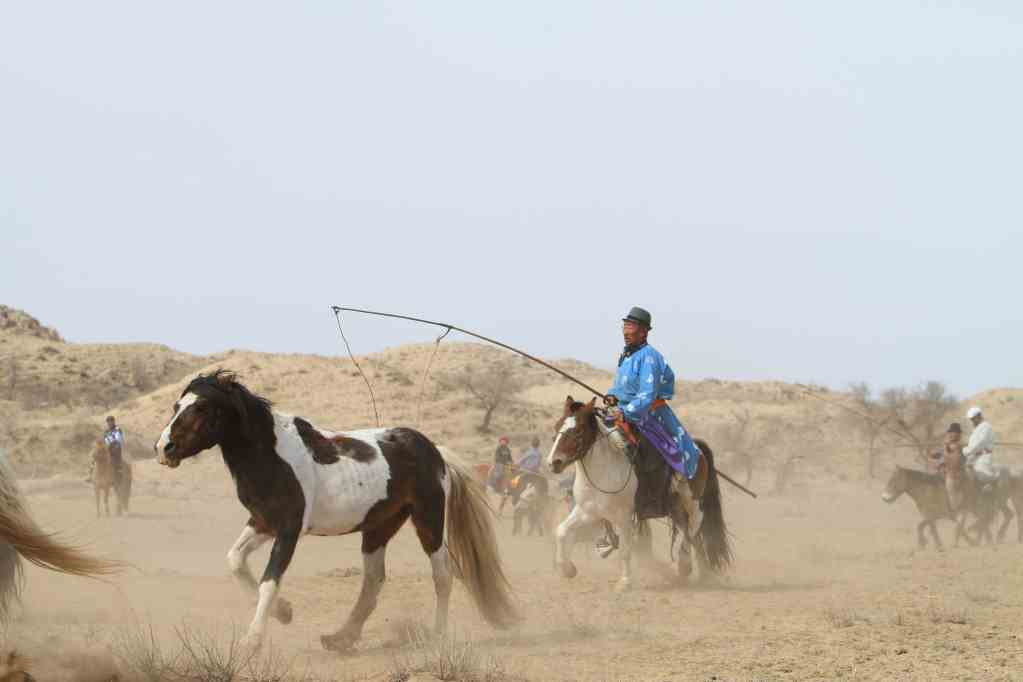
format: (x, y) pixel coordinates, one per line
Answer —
(633, 332)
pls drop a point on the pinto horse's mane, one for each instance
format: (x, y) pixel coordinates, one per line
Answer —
(223, 390)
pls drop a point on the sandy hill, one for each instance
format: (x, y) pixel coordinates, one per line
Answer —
(758, 428)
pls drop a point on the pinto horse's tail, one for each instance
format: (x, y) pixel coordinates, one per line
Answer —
(716, 545)
(473, 549)
(21, 538)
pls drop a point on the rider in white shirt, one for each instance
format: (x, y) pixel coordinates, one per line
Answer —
(981, 447)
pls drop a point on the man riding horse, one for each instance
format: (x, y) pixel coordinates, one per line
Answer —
(637, 406)
(113, 438)
(979, 451)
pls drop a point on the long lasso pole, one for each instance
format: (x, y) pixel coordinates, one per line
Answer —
(337, 310)
(337, 314)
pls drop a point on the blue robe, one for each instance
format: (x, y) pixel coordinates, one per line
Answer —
(644, 377)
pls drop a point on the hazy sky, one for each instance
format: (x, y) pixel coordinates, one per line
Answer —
(805, 191)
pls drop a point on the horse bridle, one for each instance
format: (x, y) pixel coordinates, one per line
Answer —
(579, 455)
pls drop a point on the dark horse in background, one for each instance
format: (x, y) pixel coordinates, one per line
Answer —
(930, 495)
(296, 479)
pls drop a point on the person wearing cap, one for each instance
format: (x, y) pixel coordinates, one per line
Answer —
(645, 378)
(980, 448)
(642, 384)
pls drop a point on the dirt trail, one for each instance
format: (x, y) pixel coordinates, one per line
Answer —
(827, 584)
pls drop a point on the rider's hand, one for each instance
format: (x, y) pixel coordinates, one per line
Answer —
(610, 400)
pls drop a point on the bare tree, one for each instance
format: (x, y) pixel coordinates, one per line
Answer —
(739, 438)
(917, 415)
(871, 420)
(492, 387)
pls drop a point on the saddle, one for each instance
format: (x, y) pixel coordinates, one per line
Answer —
(654, 496)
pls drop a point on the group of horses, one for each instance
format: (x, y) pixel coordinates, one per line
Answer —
(297, 479)
(930, 494)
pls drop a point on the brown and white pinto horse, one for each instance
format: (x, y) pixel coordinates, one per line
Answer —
(296, 479)
(605, 490)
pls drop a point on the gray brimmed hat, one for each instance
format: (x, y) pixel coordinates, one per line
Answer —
(639, 316)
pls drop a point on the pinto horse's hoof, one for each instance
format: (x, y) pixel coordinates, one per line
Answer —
(340, 641)
(283, 611)
(568, 569)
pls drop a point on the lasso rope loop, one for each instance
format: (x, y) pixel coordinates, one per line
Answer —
(372, 396)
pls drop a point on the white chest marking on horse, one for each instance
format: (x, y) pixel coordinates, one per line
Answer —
(183, 404)
(337, 496)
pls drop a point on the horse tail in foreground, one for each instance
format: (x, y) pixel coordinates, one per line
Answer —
(22, 538)
(473, 549)
(716, 545)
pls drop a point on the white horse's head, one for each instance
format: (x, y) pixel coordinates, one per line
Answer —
(574, 435)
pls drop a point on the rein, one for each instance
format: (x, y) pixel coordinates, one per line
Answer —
(581, 459)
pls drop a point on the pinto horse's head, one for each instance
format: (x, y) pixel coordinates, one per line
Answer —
(574, 434)
(211, 408)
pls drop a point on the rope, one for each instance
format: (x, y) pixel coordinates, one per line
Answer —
(337, 311)
(426, 372)
(628, 478)
(932, 445)
(337, 316)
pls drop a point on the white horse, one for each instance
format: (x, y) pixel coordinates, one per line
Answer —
(605, 490)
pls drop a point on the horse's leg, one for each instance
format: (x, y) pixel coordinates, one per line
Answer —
(374, 547)
(920, 533)
(428, 518)
(1006, 519)
(238, 559)
(575, 520)
(1017, 503)
(280, 557)
(934, 534)
(689, 516)
(625, 548)
(96, 490)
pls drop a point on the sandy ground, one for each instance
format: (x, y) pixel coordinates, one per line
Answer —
(827, 584)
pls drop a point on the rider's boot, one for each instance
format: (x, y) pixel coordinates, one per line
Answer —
(608, 543)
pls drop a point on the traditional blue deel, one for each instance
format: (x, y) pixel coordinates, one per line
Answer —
(644, 377)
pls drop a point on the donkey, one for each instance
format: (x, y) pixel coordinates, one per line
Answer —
(605, 490)
(929, 494)
(296, 479)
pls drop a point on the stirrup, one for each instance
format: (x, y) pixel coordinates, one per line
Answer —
(608, 543)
